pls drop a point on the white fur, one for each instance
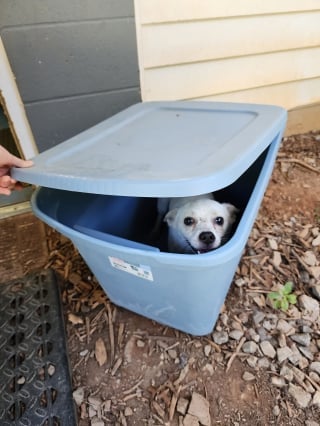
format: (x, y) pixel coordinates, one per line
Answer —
(196, 224)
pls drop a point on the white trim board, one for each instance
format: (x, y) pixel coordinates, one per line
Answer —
(13, 107)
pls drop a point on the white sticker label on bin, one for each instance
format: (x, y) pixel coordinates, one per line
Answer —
(141, 271)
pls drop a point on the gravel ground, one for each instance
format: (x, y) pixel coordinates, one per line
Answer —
(260, 365)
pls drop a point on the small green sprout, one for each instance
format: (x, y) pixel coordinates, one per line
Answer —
(283, 298)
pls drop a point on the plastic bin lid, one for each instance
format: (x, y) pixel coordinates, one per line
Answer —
(160, 149)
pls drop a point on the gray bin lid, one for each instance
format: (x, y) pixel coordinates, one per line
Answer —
(160, 149)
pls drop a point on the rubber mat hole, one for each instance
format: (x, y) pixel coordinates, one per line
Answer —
(41, 294)
(44, 349)
(18, 301)
(17, 319)
(42, 310)
(16, 339)
(16, 360)
(54, 394)
(54, 421)
(42, 374)
(16, 410)
(43, 400)
(43, 329)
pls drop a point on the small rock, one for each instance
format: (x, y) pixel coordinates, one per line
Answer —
(273, 244)
(220, 337)
(269, 325)
(316, 291)
(310, 258)
(267, 349)
(316, 399)
(314, 376)
(209, 368)
(199, 408)
(310, 307)
(276, 410)
(284, 327)
(95, 402)
(311, 423)
(250, 347)
(315, 366)
(300, 396)
(128, 412)
(263, 363)
(236, 334)
(277, 259)
(96, 422)
(316, 241)
(303, 363)
(207, 350)
(295, 357)
(283, 354)
(248, 377)
(172, 354)
(258, 317)
(190, 420)
(252, 361)
(182, 405)
(279, 382)
(78, 396)
(287, 373)
(303, 339)
(306, 352)
(140, 343)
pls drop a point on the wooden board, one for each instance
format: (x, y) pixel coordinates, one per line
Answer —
(23, 246)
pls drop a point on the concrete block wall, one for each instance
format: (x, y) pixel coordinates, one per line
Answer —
(75, 62)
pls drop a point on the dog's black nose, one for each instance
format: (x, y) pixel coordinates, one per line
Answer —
(207, 237)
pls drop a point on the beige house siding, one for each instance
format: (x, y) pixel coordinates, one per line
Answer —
(231, 50)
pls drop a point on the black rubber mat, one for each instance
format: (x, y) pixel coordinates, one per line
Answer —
(35, 380)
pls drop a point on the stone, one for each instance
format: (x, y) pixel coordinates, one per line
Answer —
(220, 337)
(182, 405)
(303, 339)
(279, 382)
(250, 347)
(299, 395)
(248, 377)
(128, 412)
(258, 316)
(207, 350)
(316, 399)
(310, 258)
(284, 326)
(267, 349)
(252, 361)
(287, 373)
(315, 290)
(310, 307)
(78, 396)
(315, 366)
(199, 408)
(316, 241)
(283, 353)
(190, 420)
(236, 334)
(263, 363)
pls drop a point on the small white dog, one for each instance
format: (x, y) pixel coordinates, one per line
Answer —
(195, 224)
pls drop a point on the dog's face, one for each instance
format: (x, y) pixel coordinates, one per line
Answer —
(199, 226)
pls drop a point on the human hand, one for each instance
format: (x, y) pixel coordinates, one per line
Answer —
(7, 160)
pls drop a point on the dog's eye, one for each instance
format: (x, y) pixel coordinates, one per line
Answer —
(219, 220)
(188, 221)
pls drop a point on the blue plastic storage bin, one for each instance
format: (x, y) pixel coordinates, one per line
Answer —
(100, 188)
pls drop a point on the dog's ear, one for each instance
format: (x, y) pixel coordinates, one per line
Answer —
(232, 210)
(170, 216)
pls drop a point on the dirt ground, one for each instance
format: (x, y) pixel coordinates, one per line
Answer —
(130, 370)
